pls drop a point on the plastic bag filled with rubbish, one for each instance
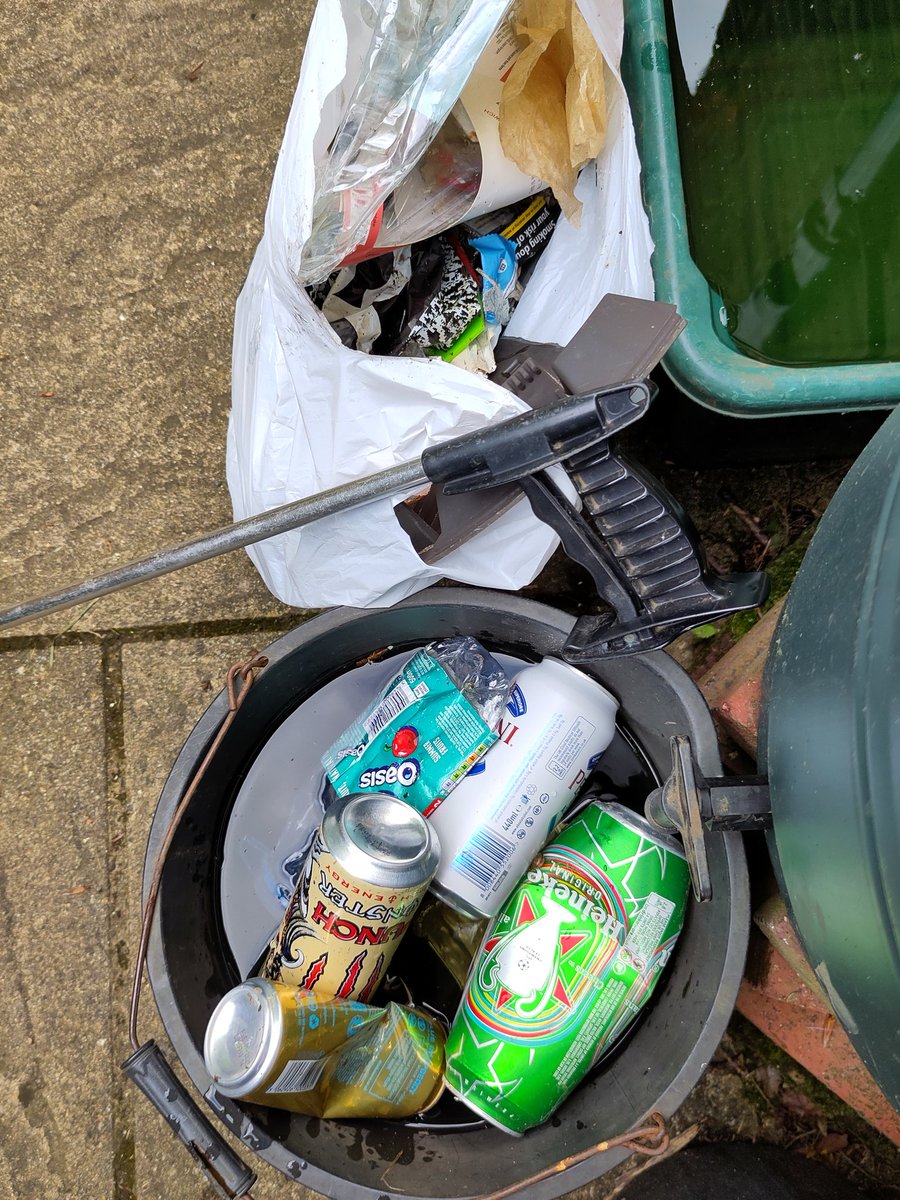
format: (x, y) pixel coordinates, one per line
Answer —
(381, 86)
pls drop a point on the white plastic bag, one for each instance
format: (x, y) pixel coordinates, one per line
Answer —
(309, 414)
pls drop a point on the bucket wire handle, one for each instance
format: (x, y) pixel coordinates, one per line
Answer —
(650, 1139)
(147, 1066)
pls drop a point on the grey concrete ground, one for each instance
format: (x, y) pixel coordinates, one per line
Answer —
(138, 145)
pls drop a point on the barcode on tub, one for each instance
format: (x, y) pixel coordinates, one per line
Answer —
(483, 857)
(300, 1075)
(398, 698)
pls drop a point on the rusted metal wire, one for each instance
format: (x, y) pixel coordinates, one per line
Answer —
(650, 1140)
(238, 683)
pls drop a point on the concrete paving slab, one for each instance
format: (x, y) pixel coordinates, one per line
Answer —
(167, 686)
(55, 1067)
(140, 141)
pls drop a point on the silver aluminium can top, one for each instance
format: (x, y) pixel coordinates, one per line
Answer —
(243, 1037)
(582, 676)
(381, 840)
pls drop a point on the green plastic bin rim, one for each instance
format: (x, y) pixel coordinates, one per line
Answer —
(700, 363)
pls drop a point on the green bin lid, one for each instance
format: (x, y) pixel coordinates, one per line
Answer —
(832, 744)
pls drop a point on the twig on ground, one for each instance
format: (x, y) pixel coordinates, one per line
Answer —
(71, 625)
(799, 1137)
(751, 524)
(859, 1167)
(762, 555)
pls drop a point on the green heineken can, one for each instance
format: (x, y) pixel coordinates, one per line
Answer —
(566, 965)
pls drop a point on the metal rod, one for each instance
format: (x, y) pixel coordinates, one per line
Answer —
(394, 481)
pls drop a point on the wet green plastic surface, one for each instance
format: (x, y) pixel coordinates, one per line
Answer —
(731, 161)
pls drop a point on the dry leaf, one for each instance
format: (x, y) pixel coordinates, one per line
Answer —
(769, 1080)
(831, 1143)
(798, 1104)
(78, 889)
(828, 1028)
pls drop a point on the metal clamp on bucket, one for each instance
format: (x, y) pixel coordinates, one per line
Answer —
(696, 807)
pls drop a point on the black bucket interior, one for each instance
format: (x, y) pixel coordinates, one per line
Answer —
(191, 965)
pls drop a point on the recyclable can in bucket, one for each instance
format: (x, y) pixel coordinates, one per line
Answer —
(567, 965)
(368, 868)
(277, 1045)
(559, 722)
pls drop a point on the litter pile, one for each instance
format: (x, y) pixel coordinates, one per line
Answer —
(423, 209)
(436, 191)
(555, 912)
(446, 254)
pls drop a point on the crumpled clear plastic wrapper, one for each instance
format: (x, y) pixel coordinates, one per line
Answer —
(476, 673)
(420, 54)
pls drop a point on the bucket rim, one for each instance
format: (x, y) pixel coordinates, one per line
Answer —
(190, 1056)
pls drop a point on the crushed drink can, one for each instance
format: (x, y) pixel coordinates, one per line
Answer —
(567, 965)
(558, 723)
(275, 1044)
(366, 872)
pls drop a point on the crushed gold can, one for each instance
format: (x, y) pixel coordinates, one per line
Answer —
(369, 866)
(274, 1044)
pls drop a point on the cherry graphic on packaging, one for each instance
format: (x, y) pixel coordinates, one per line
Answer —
(405, 741)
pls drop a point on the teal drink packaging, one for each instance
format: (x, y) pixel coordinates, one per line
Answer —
(432, 722)
(567, 965)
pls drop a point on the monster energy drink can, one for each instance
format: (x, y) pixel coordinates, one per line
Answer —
(558, 723)
(567, 965)
(280, 1046)
(366, 872)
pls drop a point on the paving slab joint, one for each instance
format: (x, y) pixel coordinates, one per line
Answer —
(268, 627)
(121, 1100)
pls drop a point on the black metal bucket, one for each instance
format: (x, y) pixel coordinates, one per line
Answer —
(191, 965)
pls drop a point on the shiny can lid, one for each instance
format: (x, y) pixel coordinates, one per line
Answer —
(243, 1037)
(582, 677)
(381, 839)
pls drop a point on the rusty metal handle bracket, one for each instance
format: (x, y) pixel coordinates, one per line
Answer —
(693, 805)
